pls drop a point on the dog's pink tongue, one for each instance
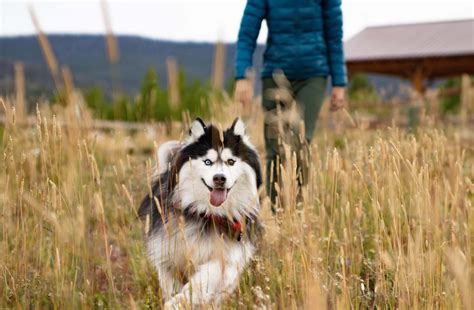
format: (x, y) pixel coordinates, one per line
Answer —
(218, 196)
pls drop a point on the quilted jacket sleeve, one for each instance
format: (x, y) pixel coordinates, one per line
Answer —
(254, 13)
(332, 15)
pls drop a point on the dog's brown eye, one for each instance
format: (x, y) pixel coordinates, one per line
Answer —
(208, 162)
(231, 162)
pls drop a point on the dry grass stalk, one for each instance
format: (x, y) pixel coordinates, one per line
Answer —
(47, 50)
(68, 84)
(113, 54)
(458, 265)
(380, 218)
(111, 40)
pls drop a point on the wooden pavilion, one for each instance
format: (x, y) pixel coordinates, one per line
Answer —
(417, 52)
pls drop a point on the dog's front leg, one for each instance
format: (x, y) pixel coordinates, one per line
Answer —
(168, 283)
(207, 285)
(160, 257)
(214, 280)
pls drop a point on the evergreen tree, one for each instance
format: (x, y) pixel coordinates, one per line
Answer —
(360, 89)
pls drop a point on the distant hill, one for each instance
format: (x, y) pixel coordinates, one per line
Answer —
(86, 56)
(87, 59)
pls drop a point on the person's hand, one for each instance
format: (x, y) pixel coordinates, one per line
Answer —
(244, 92)
(338, 99)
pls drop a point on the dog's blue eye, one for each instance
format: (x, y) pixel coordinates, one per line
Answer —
(208, 162)
(231, 162)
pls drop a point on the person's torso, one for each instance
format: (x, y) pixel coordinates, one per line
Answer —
(295, 40)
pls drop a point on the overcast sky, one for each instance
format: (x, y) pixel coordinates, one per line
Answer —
(203, 20)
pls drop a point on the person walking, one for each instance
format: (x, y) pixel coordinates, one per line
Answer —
(305, 44)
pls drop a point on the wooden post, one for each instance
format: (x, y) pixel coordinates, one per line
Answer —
(173, 83)
(465, 97)
(218, 67)
(20, 105)
(416, 110)
(418, 80)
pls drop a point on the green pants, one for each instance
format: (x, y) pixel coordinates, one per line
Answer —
(283, 124)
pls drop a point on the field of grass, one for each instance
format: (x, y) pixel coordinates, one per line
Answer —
(387, 219)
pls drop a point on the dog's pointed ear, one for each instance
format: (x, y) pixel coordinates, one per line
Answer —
(197, 129)
(238, 127)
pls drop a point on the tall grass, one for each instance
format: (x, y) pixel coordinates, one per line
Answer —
(386, 220)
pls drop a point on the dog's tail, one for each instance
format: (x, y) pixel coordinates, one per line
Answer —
(153, 208)
(165, 153)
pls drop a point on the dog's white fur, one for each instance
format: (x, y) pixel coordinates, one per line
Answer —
(217, 265)
(214, 263)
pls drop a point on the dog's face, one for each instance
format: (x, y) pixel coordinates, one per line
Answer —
(218, 172)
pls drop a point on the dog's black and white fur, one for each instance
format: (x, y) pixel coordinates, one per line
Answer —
(202, 213)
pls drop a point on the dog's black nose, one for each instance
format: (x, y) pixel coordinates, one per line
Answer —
(219, 179)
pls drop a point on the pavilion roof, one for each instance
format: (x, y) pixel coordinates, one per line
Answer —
(412, 41)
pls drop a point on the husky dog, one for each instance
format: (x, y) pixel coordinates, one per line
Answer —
(202, 213)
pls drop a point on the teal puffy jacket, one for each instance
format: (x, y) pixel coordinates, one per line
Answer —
(304, 39)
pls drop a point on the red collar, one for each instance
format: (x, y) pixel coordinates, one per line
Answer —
(232, 227)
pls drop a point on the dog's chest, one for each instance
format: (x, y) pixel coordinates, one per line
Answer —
(189, 247)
